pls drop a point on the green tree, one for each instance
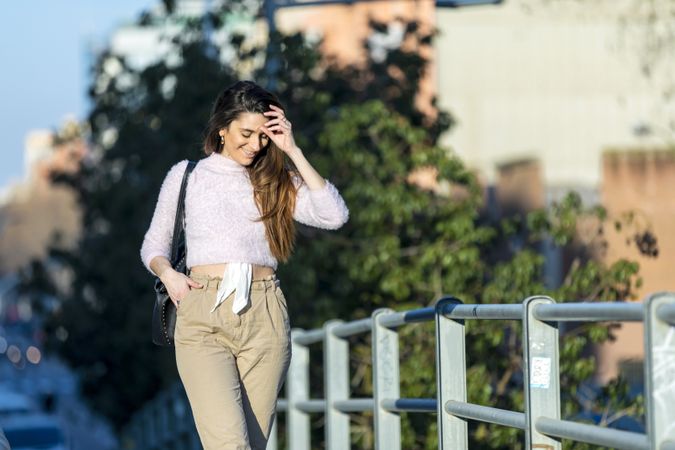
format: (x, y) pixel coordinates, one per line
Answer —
(404, 246)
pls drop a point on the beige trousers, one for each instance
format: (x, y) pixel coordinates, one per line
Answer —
(233, 365)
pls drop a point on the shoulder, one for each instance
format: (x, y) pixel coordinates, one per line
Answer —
(177, 170)
(175, 174)
(179, 167)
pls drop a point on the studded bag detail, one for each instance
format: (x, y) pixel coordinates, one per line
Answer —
(164, 311)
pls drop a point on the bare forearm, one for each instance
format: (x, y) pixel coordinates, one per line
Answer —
(311, 177)
(160, 265)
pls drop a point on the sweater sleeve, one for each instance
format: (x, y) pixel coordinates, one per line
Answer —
(322, 208)
(157, 240)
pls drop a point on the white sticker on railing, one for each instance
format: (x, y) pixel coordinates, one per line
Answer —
(541, 373)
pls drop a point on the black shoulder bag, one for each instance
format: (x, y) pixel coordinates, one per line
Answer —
(164, 312)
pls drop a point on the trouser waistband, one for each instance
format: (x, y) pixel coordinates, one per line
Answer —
(212, 282)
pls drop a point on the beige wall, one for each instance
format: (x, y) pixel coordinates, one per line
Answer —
(556, 87)
(37, 210)
(642, 181)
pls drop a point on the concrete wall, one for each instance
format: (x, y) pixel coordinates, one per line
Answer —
(528, 84)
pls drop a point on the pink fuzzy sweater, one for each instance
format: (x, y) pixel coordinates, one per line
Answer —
(220, 224)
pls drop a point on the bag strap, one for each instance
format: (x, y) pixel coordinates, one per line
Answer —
(179, 221)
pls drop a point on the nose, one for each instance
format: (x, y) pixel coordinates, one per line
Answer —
(255, 145)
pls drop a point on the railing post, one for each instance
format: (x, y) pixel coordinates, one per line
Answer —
(385, 383)
(541, 374)
(659, 371)
(297, 390)
(450, 376)
(336, 387)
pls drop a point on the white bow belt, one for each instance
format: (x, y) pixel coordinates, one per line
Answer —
(237, 277)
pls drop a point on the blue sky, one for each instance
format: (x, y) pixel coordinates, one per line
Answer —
(44, 73)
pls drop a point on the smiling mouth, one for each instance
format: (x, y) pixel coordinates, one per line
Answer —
(249, 154)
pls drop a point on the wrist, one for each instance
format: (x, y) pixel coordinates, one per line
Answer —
(295, 152)
(165, 273)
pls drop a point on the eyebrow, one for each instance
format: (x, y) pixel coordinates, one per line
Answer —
(246, 129)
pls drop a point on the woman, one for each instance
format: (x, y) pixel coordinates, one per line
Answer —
(232, 335)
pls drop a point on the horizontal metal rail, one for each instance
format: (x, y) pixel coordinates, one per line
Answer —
(486, 312)
(409, 404)
(496, 312)
(311, 406)
(354, 405)
(592, 434)
(396, 319)
(590, 312)
(486, 414)
(309, 337)
(667, 313)
(354, 327)
(419, 315)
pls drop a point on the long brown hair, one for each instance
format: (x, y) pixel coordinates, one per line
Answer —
(270, 176)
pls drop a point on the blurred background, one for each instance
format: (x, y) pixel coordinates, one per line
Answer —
(486, 149)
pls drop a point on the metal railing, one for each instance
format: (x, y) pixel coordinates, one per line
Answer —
(163, 424)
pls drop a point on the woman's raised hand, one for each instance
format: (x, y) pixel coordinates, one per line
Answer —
(279, 129)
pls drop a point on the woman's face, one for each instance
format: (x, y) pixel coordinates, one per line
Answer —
(244, 138)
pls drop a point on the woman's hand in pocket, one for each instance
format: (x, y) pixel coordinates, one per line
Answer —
(178, 285)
